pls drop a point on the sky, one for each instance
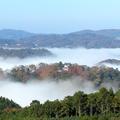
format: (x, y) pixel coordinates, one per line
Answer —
(59, 16)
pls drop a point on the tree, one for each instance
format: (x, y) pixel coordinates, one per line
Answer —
(80, 102)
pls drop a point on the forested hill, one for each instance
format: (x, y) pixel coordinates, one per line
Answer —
(101, 105)
(24, 53)
(87, 39)
(110, 61)
(97, 76)
(107, 38)
(14, 34)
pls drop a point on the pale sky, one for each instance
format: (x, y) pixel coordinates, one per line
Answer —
(59, 16)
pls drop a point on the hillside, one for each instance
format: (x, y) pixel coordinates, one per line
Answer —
(23, 53)
(72, 40)
(64, 71)
(14, 34)
(107, 38)
(110, 61)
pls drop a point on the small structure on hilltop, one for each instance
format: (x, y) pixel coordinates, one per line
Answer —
(66, 68)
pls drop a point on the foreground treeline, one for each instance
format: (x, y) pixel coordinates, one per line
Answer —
(101, 105)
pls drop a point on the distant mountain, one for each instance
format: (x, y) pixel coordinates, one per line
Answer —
(87, 39)
(113, 33)
(107, 38)
(113, 63)
(14, 34)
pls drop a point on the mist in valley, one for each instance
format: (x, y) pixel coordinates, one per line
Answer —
(81, 56)
(24, 93)
(44, 90)
(49, 89)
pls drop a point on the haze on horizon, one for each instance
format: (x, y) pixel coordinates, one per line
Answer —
(63, 16)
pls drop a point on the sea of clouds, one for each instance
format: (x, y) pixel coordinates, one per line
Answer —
(81, 56)
(23, 94)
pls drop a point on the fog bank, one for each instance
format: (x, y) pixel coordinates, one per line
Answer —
(23, 94)
(45, 90)
(80, 55)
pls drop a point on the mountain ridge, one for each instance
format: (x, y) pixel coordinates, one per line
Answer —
(14, 34)
(105, 38)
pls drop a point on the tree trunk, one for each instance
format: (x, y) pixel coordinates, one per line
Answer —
(79, 111)
(91, 110)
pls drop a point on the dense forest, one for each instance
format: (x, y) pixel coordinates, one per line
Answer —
(65, 71)
(62, 71)
(101, 105)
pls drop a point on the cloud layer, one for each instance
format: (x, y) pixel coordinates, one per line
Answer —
(80, 55)
(23, 94)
